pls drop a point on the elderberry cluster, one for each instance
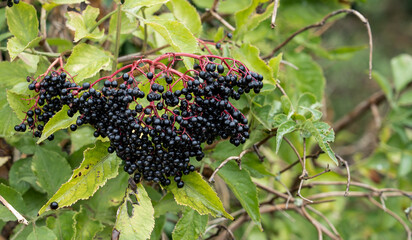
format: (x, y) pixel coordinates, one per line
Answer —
(11, 2)
(157, 132)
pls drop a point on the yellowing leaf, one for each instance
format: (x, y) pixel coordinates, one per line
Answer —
(97, 167)
(135, 219)
(198, 195)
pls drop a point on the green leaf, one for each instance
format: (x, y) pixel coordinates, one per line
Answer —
(248, 19)
(84, 226)
(97, 167)
(59, 121)
(316, 114)
(177, 35)
(274, 63)
(7, 117)
(18, 104)
(158, 228)
(405, 99)
(405, 166)
(50, 168)
(62, 225)
(255, 167)
(190, 226)
(220, 34)
(309, 78)
(135, 216)
(242, 17)
(262, 114)
(402, 71)
(86, 61)
(12, 73)
(166, 205)
(12, 197)
(42, 233)
(23, 24)
(21, 175)
(249, 55)
(284, 128)
(108, 197)
(81, 23)
(198, 195)
(243, 188)
(129, 4)
(323, 134)
(185, 13)
(15, 46)
(128, 24)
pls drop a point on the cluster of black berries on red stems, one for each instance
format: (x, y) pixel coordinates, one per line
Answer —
(157, 120)
(11, 2)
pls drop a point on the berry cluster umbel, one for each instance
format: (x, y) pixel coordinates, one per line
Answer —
(155, 117)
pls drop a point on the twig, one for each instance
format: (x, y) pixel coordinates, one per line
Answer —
(35, 52)
(239, 158)
(325, 219)
(223, 21)
(19, 217)
(394, 215)
(376, 116)
(313, 221)
(134, 56)
(345, 163)
(321, 23)
(220, 227)
(289, 64)
(117, 41)
(327, 169)
(275, 10)
(295, 150)
(145, 33)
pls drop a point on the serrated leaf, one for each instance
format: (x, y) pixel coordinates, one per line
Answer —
(15, 46)
(316, 114)
(190, 226)
(62, 225)
(42, 233)
(185, 13)
(402, 72)
(86, 61)
(22, 22)
(84, 226)
(243, 16)
(59, 121)
(18, 104)
(139, 225)
(81, 24)
(284, 128)
(50, 168)
(177, 35)
(12, 197)
(309, 78)
(323, 134)
(249, 55)
(97, 167)
(198, 195)
(243, 188)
